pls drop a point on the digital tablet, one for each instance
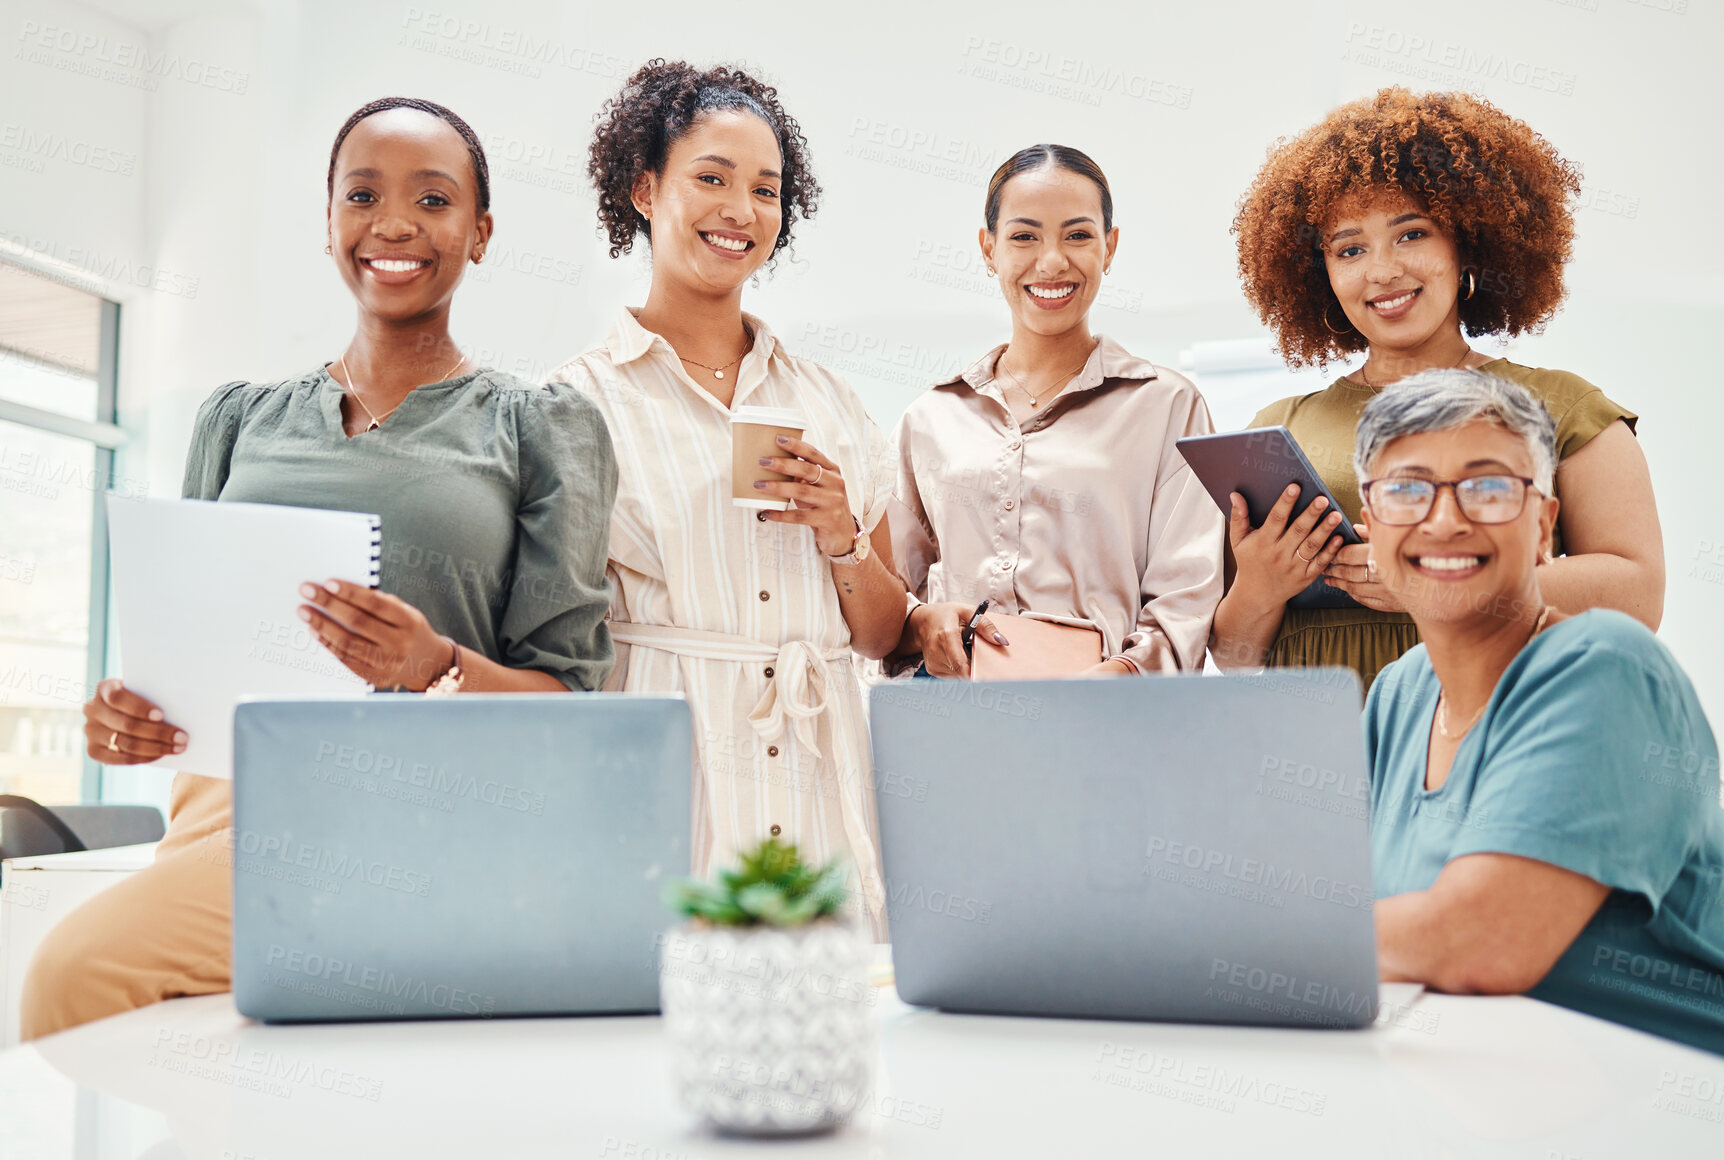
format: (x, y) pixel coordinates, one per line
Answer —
(1259, 463)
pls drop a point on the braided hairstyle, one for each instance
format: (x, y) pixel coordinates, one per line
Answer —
(658, 105)
(475, 151)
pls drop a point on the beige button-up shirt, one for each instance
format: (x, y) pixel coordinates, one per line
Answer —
(1086, 510)
(738, 614)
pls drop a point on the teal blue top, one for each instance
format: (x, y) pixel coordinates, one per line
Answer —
(1593, 755)
(494, 495)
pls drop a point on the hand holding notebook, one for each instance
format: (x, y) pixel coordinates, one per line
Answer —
(206, 597)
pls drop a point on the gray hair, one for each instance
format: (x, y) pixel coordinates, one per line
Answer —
(1442, 400)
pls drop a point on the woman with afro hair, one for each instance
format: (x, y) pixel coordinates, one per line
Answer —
(753, 615)
(1396, 228)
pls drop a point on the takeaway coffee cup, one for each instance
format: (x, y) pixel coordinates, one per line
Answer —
(754, 432)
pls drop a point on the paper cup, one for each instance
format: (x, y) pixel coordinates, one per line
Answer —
(754, 432)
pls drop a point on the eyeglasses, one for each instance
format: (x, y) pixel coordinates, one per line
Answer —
(1484, 499)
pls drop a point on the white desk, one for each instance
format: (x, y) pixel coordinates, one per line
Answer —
(37, 893)
(1458, 1077)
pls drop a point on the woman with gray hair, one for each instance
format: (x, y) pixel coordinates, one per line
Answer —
(1544, 787)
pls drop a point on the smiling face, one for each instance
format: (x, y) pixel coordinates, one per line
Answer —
(404, 218)
(1396, 274)
(715, 211)
(1049, 249)
(1447, 568)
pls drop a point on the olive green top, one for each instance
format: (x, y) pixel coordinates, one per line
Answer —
(494, 497)
(1325, 425)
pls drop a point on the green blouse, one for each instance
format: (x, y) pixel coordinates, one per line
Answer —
(494, 495)
(1325, 424)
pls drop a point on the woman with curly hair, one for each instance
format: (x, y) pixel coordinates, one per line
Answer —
(752, 614)
(1395, 228)
(1045, 477)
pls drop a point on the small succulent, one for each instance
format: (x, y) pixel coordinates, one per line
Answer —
(773, 888)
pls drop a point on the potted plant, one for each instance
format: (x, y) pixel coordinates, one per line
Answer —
(766, 998)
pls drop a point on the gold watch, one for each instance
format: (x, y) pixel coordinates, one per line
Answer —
(859, 547)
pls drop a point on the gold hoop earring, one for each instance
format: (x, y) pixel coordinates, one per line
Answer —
(1332, 330)
(1472, 285)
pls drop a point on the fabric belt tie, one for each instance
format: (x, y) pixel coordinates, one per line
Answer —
(797, 694)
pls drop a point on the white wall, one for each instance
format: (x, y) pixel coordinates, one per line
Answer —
(908, 107)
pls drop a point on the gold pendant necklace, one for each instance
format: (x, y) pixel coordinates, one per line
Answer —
(1016, 382)
(718, 372)
(376, 422)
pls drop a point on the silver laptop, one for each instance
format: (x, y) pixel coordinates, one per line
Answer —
(1178, 848)
(410, 857)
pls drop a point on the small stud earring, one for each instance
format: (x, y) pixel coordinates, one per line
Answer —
(328, 250)
(990, 271)
(479, 257)
(1546, 558)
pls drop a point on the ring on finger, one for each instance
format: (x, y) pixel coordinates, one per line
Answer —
(822, 471)
(114, 741)
(1312, 557)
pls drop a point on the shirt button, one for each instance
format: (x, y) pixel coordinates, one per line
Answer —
(1010, 504)
(775, 830)
(769, 677)
(1015, 444)
(771, 750)
(765, 595)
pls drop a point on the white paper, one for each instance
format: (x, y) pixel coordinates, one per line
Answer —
(206, 597)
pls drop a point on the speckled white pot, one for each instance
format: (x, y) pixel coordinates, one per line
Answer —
(771, 1031)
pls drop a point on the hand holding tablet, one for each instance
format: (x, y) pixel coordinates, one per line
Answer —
(1267, 469)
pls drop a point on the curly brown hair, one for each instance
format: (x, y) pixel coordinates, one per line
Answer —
(1486, 179)
(656, 106)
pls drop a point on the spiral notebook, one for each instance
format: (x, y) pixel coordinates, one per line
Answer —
(206, 598)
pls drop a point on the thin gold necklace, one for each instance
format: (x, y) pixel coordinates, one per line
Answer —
(718, 372)
(1442, 701)
(353, 389)
(1000, 365)
(1359, 375)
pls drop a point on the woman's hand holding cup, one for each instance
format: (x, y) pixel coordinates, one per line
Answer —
(815, 488)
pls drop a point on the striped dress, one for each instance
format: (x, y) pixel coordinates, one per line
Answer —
(739, 614)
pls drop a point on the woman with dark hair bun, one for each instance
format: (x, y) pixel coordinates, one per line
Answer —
(1044, 479)
(1395, 228)
(753, 613)
(511, 480)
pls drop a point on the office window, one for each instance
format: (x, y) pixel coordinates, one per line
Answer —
(57, 440)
